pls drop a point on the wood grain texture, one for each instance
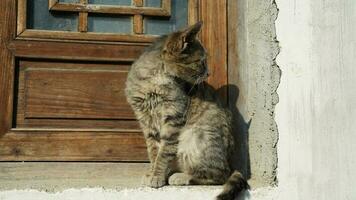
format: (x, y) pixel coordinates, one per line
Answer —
(7, 32)
(90, 36)
(87, 122)
(72, 146)
(76, 51)
(138, 3)
(83, 22)
(214, 37)
(83, 19)
(167, 6)
(76, 93)
(51, 3)
(138, 24)
(193, 11)
(21, 16)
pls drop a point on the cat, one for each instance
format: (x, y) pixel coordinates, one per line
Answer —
(186, 128)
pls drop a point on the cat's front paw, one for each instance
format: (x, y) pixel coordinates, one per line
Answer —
(153, 181)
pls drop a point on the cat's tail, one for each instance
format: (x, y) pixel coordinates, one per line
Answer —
(233, 186)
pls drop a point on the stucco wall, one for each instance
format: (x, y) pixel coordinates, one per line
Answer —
(316, 115)
(258, 78)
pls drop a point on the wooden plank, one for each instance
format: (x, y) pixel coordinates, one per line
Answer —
(72, 146)
(83, 19)
(75, 51)
(87, 124)
(138, 24)
(214, 37)
(7, 32)
(138, 19)
(22, 122)
(21, 16)
(51, 3)
(167, 6)
(119, 10)
(138, 3)
(193, 11)
(57, 176)
(42, 34)
(76, 94)
(83, 22)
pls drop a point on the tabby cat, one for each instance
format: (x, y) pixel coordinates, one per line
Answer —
(187, 130)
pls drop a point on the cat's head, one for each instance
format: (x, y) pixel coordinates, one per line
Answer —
(185, 55)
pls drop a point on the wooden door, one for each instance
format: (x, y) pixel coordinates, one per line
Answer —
(63, 66)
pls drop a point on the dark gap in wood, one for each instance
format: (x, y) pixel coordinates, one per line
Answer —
(15, 92)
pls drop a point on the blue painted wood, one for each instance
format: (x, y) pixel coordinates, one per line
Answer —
(39, 17)
(152, 3)
(69, 1)
(111, 2)
(160, 26)
(109, 23)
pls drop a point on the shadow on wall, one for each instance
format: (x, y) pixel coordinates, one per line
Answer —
(241, 158)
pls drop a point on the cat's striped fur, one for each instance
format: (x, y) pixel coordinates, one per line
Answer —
(187, 130)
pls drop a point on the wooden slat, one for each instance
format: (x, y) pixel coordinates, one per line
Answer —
(193, 11)
(138, 19)
(83, 22)
(167, 6)
(108, 125)
(214, 37)
(83, 19)
(21, 16)
(121, 10)
(85, 122)
(51, 3)
(72, 146)
(7, 32)
(76, 51)
(76, 94)
(42, 34)
(138, 24)
(138, 3)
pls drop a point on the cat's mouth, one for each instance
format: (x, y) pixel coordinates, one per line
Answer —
(203, 76)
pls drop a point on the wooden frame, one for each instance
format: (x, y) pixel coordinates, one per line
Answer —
(18, 43)
(83, 8)
(138, 9)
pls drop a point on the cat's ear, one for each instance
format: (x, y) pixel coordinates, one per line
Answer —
(189, 34)
(179, 41)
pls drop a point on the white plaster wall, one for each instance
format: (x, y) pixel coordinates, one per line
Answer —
(316, 115)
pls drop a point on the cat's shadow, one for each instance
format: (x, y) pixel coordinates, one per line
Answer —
(241, 158)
